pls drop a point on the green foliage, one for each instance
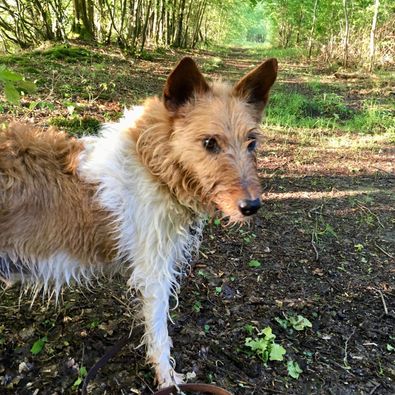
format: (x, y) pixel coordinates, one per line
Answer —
(265, 347)
(373, 118)
(248, 236)
(69, 54)
(82, 372)
(294, 369)
(13, 83)
(249, 329)
(212, 64)
(359, 247)
(197, 306)
(297, 322)
(313, 107)
(76, 125)
(38, 345)
(254, 263)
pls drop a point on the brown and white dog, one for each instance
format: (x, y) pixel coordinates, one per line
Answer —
(134, 197)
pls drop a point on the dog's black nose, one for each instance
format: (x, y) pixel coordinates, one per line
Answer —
(249, 207)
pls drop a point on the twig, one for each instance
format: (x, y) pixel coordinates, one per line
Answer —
(383, 251)
(345, 361)
(374, 389)
(383, 300)
(370, 212)
(317, 256)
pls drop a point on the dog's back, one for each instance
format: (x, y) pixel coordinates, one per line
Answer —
(45, 210)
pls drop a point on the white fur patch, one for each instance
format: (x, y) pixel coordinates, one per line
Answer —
(46, 275)
(157, 236)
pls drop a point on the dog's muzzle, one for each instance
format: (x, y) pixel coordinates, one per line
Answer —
(248, 207)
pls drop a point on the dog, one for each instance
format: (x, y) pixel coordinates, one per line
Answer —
(135, 198)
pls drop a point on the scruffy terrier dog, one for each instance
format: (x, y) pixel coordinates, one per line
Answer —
(135, 197)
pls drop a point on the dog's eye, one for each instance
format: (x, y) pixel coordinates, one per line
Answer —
(251, 145)
(211, 145)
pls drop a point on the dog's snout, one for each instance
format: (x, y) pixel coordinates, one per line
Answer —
(249, 207)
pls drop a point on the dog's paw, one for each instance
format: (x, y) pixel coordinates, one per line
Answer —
(173, 378)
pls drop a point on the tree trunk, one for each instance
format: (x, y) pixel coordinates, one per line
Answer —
(346, 33)
(372, 47)
(177, 40)
(313, 27)
(83, 23)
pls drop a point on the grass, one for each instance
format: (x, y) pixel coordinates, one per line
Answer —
(314, 109)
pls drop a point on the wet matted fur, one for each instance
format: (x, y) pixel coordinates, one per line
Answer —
(134, 197)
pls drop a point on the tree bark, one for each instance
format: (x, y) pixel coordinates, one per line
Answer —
(372, 47)
(313, 28)
(346, 33)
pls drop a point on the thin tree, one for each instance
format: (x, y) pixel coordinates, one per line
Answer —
(372, 47)
(346, 32)
(313, 27)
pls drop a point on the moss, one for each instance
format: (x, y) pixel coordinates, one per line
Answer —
(67, 53)
(77, 126)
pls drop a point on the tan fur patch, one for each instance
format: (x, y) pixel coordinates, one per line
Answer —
(44, 207)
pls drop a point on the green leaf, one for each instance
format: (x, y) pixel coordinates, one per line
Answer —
(218, 290)
(8, 75)
(249, 329)
(268, 333)
(217, 222)
(390, 348)
(299, 322)
(254, 263)
(11, 94)
(83, 372)
(294, 369)
(277, 352)
(197, 306)
(256, 344)
(38, 345)
(77, 382)
(282, 322)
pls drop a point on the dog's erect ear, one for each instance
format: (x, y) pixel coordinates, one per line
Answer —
(255, 86)
(184, 81)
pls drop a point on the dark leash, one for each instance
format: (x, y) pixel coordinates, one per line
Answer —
(177, 390)
(102, 361)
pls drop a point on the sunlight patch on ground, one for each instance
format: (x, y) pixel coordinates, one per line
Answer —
(358, 142)
(307, 195)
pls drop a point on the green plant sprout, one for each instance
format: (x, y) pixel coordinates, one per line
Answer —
(265, 347)
(297, 322)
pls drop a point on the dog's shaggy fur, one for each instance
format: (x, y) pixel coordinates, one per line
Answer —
(134, 197)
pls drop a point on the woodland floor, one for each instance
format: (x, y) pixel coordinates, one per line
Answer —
(325, 241)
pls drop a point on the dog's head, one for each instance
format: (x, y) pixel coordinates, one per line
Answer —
(215, 134)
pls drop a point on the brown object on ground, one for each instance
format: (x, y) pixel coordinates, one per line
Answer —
(194, 388)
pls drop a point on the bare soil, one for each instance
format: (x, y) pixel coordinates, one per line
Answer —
(325, 239)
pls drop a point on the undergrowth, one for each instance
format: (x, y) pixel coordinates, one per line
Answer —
(331, 111)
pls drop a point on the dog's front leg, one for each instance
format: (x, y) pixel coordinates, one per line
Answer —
(155, 308)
